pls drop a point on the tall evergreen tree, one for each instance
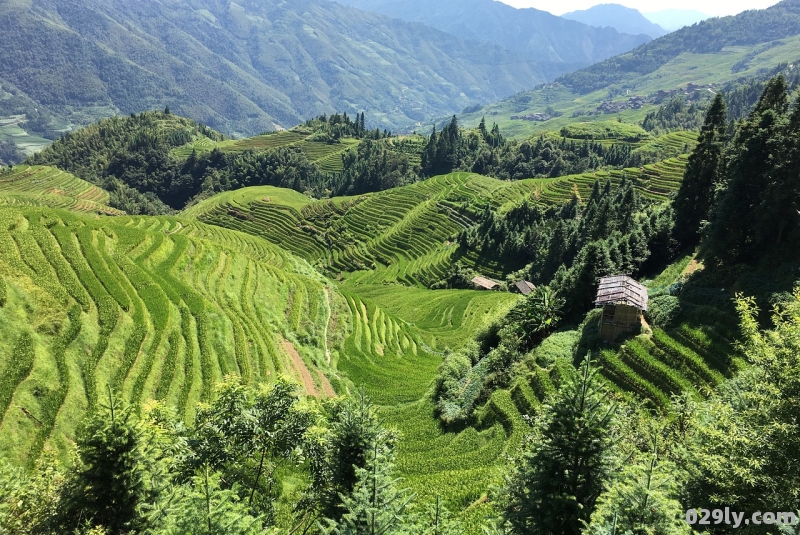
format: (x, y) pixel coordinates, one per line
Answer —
(746, 219)
(375, 506)
(109, 487)
(564, 465)
(354, 432)
(703, 174)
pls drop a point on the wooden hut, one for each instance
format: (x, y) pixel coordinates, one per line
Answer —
(524, 287)
(623, 301)
(482, 283)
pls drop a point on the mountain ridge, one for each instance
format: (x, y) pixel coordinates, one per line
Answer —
(619, 17)
(242, 68)
(528, 31)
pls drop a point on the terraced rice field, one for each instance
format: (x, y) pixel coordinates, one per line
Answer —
(654, 182)
(327, 156)
(405, 235)
(48, 186)
(444, 318)
(155, 308)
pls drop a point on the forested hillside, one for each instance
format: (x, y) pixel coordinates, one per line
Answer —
(242, 68)
(557, 45)
(710, 36)
(691, 64)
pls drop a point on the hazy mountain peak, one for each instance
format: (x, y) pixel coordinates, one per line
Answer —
(566, 44)
(621, 18)
(675, 19)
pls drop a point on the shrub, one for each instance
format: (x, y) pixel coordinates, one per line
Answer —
(663, 311)
(555, 346)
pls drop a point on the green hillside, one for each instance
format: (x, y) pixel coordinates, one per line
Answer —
(157, 308)
(693, 63)
(48, 186)
(408, 234)
(242, 68)
(267, 361)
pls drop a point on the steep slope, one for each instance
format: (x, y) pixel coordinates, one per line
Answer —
(693, 63)
(155, 308)
(242, 68)
(621, 18)
(708, 37)
(559, 45)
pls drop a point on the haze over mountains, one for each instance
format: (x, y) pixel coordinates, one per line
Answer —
(557, 44)
(621, 18)
(675, 19)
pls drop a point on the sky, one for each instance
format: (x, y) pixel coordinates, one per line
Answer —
(715, 9)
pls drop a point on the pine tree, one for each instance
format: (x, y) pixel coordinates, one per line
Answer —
(204, 507)
(354, 432)
(564, 466)
(436, 520)
(109, 486)
(643, 500)
(376, 506)
(745, 219)
(704, 173)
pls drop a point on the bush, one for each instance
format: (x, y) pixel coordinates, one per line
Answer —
(589, 335)
(664, 311)
(555, 346)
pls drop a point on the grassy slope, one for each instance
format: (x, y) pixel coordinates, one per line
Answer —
(406, 235)
(686, 68)
(327, 156)
(162, 308)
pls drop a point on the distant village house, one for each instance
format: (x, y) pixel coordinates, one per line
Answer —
(482, 283)
(524, 287)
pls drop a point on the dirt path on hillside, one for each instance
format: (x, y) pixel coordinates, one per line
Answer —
(693, 266)
(300, 368)
(327, 387)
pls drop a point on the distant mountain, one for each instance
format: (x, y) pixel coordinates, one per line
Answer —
(733, 55)
(559, 45)
(675, 19)
(621, 18)
(710, 36)
(243, 67)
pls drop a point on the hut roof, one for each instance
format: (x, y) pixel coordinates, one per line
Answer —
(525, 287)
(483, 282)
(621, 290)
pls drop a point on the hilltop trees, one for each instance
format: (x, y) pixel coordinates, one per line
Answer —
(444, 151)
(758, 207)
(703, 174)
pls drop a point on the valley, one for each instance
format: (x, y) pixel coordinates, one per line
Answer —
(571, 311)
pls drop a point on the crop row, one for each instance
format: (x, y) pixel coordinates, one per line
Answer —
(160, 300)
